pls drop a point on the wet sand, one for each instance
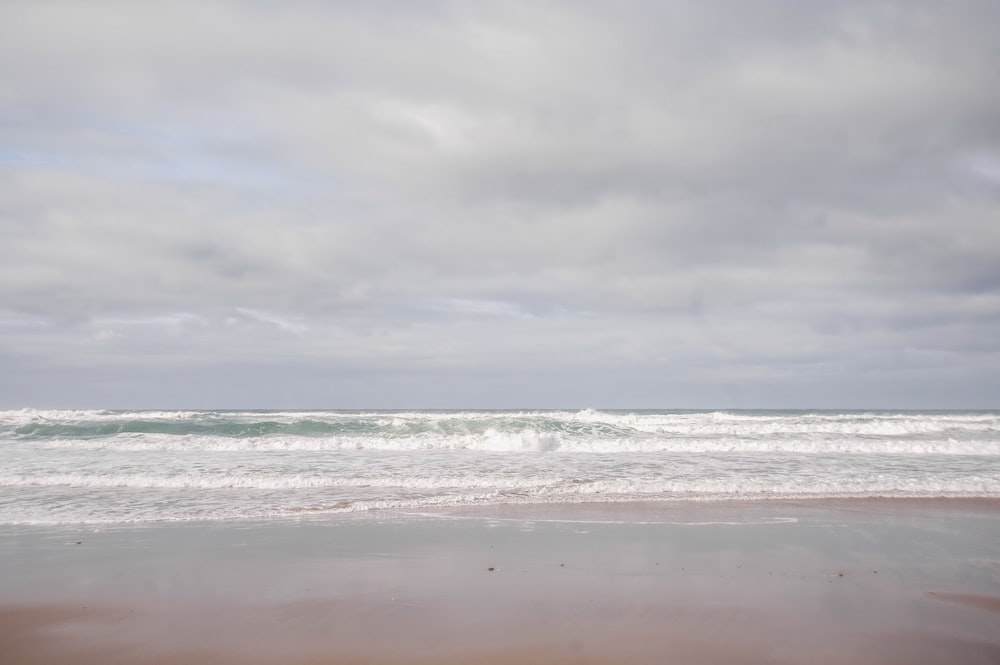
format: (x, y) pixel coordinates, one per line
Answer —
(854, 581)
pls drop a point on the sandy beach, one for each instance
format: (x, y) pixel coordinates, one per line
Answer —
(854, 581)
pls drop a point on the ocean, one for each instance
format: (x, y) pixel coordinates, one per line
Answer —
(125, 467)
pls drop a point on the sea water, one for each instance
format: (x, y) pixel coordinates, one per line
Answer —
(108, 467)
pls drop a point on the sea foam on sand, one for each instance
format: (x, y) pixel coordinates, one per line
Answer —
(852, 581)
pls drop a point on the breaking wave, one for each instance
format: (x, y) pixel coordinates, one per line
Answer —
(111, 466)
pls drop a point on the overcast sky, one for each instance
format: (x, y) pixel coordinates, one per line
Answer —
(499, 204)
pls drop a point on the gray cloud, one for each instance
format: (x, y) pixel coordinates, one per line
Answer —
(501, 204)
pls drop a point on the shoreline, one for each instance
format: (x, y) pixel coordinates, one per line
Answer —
(558, 511)
(823, 581)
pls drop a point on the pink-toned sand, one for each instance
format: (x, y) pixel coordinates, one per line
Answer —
(913, 583)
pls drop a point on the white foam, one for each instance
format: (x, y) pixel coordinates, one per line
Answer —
(68, 471)
(740, 424)
(533, 441)
(128, 511)
(545, 487)
(687, 422)
(229, 480)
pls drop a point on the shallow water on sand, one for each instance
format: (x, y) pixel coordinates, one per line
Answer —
(776, 582)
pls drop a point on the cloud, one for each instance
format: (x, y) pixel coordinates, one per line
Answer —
(746, 202)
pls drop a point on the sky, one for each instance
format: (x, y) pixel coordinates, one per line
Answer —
(511, 204)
